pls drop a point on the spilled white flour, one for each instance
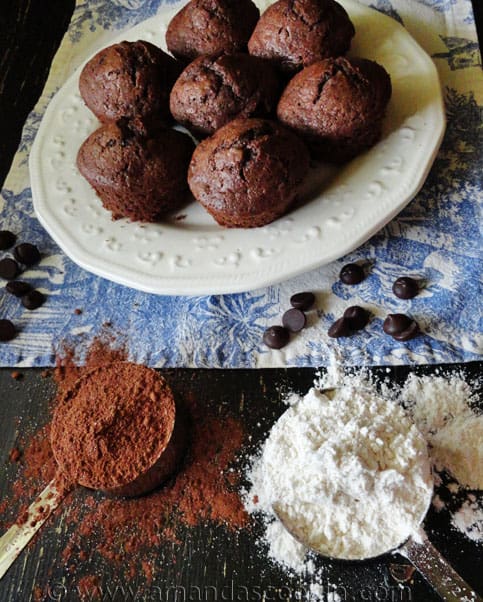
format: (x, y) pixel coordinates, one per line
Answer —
(444, 410)
(349, 474)
(469, 519)
(441, 409)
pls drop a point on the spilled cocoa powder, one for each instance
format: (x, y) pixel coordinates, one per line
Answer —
(129, 532)
(89, 587)
(14, 455)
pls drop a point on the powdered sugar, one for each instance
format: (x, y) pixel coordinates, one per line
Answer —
(469, 519)
(441, 409)
(319, 592)
(283, 545)
(435, 402)
(350, 475)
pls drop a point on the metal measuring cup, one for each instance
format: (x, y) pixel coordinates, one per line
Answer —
(417, 549)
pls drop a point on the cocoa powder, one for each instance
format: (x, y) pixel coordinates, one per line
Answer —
(199, 493)
(88, 587)
(14, 455)
(72, 362)
(112, 425)
(129, 532)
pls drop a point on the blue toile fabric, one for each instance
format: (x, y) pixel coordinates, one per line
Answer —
(437, 238)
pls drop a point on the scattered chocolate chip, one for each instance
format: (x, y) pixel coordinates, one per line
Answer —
(294, 320)
(352, 273)
(7, 239)
(400, 327)
(408, 334)
(16, 375)
(357, 317)
(303, 301)
(19, 288)
(9, 268)
(7, 330)
(77, 311)
(26, 253)
(33, 299)
(396, 323)
(405, 287)
(340, 328)
(276, 337)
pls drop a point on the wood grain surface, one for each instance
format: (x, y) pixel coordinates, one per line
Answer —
(209, 559)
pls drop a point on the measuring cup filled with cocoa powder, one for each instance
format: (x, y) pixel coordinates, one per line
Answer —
(115, 430)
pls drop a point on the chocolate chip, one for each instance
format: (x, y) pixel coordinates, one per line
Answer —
(7, 330)
(405, 287)
(9, 268)
(26, 253)
(303, 301)
(357, 317)
(33, 299)
(410, 332)
(19, 288)
(294, 320)
(276, 337)
(7, 239)
(400, 327)
(396, 323)
(340, 328)
(352, 273)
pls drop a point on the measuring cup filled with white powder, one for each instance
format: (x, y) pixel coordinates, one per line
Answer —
(348, 475)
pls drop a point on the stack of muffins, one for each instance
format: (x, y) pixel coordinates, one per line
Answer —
(261, 93)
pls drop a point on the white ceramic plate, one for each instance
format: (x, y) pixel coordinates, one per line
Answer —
(193, 255)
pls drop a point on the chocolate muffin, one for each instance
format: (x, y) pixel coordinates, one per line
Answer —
(247, 174)
(337, 106)
(115, 430)
(130, 79)
(136, 177)
(208, 26)
(297, 33)
(217, 88)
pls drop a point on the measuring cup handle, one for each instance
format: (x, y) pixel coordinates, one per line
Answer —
(18, 536)
(437, 571)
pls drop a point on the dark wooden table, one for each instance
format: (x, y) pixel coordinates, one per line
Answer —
(209, 557)
(30, 32)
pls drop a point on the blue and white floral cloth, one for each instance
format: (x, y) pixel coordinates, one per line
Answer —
(437, 238)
